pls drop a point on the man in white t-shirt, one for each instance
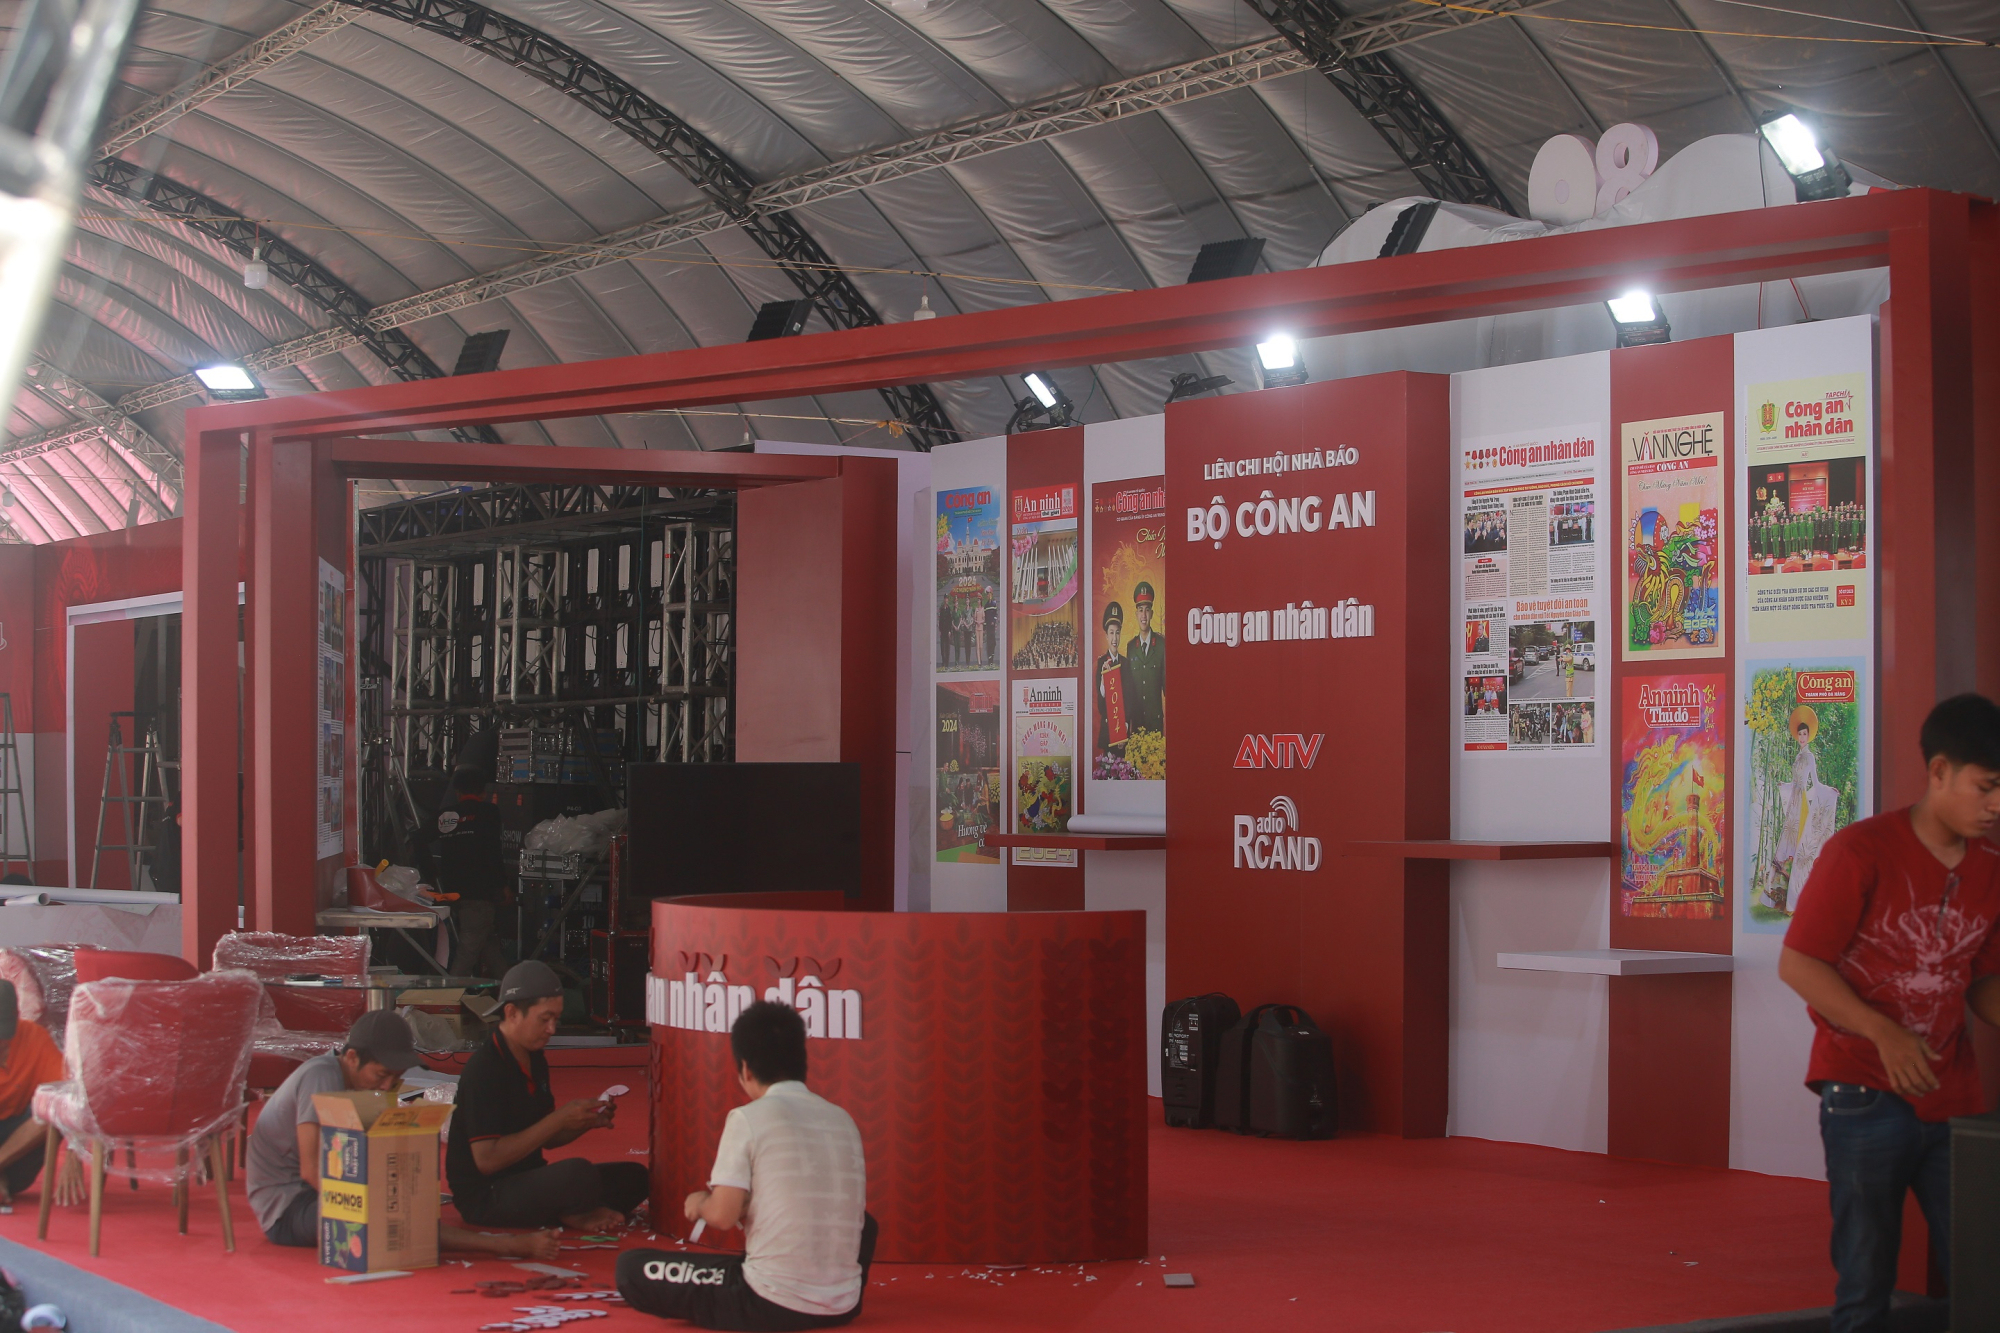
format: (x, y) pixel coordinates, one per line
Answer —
(789, 1169)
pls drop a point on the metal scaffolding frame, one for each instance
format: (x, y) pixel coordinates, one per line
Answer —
(596, 609)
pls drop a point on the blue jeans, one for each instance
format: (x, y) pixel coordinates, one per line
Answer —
(1876, 1148)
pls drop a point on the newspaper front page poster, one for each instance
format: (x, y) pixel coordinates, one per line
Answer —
(1529, 509)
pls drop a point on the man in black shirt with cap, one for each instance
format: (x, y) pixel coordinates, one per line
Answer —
(507, 1114)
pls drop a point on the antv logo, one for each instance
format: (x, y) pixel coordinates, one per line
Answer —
(1282, 750)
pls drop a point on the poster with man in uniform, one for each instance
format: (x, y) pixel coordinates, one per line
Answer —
(1128, 541)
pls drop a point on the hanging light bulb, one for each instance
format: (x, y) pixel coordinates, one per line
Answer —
(257, 273)
(923, 310)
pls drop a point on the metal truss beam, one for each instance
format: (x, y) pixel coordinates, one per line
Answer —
(305, 275)
(1243, 67)
(246, 64)
(1350, 52)
(780, 235)
(442, 523)
(124, 435)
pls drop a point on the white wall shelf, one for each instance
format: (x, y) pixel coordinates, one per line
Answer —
(1618, 962)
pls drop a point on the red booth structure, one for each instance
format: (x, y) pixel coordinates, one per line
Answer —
(994, 1062)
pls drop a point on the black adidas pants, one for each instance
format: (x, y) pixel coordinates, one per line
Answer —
(708, 1290)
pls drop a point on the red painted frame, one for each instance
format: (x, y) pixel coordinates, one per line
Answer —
(1931, 582)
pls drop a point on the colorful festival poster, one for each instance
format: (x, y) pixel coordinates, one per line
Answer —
(1044, 765)
(1673, 803)
(1043, 572)
(968, 769)
(1128, 540)
(1805, 737)
(1807, 443)
(1673, 484)
(968, 580)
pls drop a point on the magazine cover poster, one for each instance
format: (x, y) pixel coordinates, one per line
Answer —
(1044, 555)
(1128, 676)
(1672, 798)
(1803, 731)
(1044, 765)
(968, 580)
(1805, 535)
(1671, 471)
(968, 769)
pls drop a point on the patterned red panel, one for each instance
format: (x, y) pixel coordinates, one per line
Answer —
(998, 1082)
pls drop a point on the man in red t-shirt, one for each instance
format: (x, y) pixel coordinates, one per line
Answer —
(1894, 937)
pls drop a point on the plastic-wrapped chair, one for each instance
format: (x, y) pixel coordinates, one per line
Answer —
(303, 1012)
(153, 1065)
(130, 965)
(43, 977)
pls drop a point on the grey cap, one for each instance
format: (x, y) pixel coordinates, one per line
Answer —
(385, 1035)
(528, 981)
(10, 1011)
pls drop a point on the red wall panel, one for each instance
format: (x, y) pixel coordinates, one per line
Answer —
(816, 637)
(1670, 1036)
(1037, 459)
(1361, 941)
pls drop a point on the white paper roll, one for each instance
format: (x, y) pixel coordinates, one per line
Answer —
(1149, 825)
(1562, 184)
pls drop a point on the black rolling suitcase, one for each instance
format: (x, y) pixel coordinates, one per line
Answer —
(1275, 1076)
(1291, 1076)
(1190, 1038)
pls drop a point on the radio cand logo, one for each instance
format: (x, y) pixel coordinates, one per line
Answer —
(1272, 841)
(712, 1004)
(1281, 750)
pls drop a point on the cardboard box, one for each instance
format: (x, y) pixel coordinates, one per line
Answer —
(378, 1185)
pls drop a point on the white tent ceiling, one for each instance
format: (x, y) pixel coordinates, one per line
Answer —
(401, 161)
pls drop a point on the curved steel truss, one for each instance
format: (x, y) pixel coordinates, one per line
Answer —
(1443, 163)
(833, 294)
(298, 270)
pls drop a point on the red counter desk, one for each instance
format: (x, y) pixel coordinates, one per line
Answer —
(994, 1062)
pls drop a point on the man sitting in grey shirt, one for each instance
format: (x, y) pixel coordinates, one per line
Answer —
(284, 1147)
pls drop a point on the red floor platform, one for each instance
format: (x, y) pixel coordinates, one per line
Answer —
(1357, 1234)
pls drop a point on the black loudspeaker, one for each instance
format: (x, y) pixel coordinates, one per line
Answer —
(1232, 1073)
(1291, 1076)
(1975, 1222)
(1190, 1041)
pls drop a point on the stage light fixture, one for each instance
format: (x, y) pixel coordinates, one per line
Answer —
(1279, 362)
(1816, 173)
(1187, 384)
(1227, 259)
(256, 273)
(479, 354)
(780, 319)
(1045, 399)
(229, 383)
(1639, 319)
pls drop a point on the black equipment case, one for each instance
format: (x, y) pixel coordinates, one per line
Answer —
(1275, 1076)
(1190, 1039)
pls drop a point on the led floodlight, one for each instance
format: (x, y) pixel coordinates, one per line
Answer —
(1278, 360)
(1187, 384)
(1639, 319)
(1045, 399)
(1815, 172)
(228, 383)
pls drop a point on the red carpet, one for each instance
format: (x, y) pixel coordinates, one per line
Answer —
(1440, 1236)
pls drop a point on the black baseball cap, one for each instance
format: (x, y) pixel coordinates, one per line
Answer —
(385, 1035)
(10, 1011)
(528, 981)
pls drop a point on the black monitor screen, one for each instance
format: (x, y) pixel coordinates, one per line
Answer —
(744, 828)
